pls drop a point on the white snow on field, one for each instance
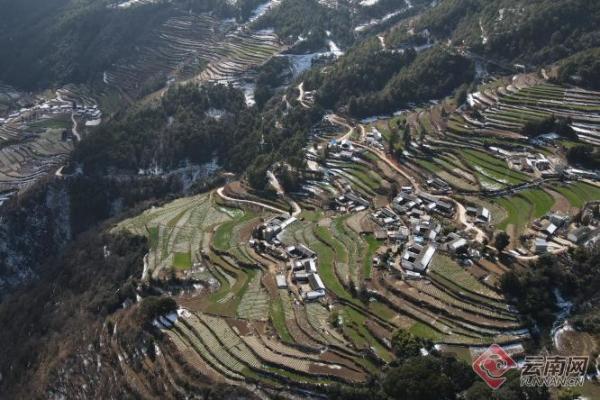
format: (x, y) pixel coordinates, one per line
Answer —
(501, 14)
(215, 113)
(381, 41)
(263, 9)
(484, 37)
(377, 21)
(131, 3)
(248, 88)
(334, 49)
(368, 3)
(93, 122)
(301, 62)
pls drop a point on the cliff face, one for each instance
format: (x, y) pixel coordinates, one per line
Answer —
(37, 226)
(33, 228)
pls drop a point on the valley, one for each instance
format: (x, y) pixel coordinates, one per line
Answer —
(297, 199)
(369, 245)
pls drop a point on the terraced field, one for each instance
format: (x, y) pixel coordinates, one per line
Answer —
(36, 140)
(524, 208)
(579, 193)
(252, 318)
(179, 232)
(508, 108)
(192, 47)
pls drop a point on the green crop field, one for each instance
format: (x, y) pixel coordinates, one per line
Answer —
(182, 260)
(542, 202)
(493, 168)
(519, 212)
(579, 193)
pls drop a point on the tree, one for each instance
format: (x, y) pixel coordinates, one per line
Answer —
(405, 344)
(511, 390)
(153, 307)
(418, 378)
(406, 137)
(394, 136)
(257, 177)
(501, 241)
(510, 284)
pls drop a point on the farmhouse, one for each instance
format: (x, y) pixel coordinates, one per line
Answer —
(399, 235)
(352, 201)
(300, 251)
(269, 230)
(308, 264)
(417, 258)
(457, 244)
(579, 235)
(480, 214)
(317, 288)
(550, 229)
(541, 246)
(438, 185)
(281, 281)
(484, 215)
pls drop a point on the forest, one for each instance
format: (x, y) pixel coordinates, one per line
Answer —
(542, 31)
(45, 43)
(582, 68)
(369, 82)
(575, 275)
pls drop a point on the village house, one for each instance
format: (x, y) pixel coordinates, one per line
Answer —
(457, 244)
(541, 246)
(352, 202)
(480, 214)
(417, 258)
(300, 251)
(438, 185)
(281, 281)
(318, 289)
(579, 235)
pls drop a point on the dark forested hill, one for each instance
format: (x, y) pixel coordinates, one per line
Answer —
(45, 42)
(536, 32)
(73, 283)
(193, 124)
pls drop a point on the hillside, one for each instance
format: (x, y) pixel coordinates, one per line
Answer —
(296, 199)
(64, 41)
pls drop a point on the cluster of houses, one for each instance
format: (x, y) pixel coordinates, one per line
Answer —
(524, 161)
(265, 237)
(418, 205)
(409, 224)
(304, 272)
(438, 185)
(342, 149)
(586, 232)
(302, 261)
(556, 230)
(48, 108)
(479, 215)
(374, 138)
(351, 201)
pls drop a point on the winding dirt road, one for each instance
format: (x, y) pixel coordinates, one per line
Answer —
(300, 99)
(461, 210)
(255, 203)
(296, 210)
(336, 119)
